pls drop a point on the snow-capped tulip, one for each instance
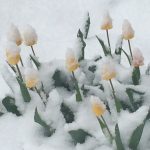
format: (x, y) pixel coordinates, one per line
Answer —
(98, 106)
(127, 30)
(138, 59)
(13, 35)
(71, 61)
(29, 35)
(106, 22)
(108, 71)
(12, 53)
(31, 78)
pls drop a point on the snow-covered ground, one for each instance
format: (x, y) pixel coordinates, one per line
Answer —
(56, 23)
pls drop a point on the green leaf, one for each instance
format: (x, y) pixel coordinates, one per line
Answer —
(36, 62)
(9, 104)
(148, 70)
(130, 92)
(24, 91)
(87, 26)
(48, 130)
(83, 45)
(67, 113)
(136, 76)
(118, 139)
(60, 80)
(78, 94)
(104, 47)
(103, 126)
(97, 58)
(118, 105)
(84, 90)
(137, 134)
(79, 136)
(92, 68)
(118, 49)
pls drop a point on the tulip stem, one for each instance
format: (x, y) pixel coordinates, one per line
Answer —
(111, 136)
(19, 72)
(21, 61)
(130, 49)
(39, 95)
(12, 67)
(78, 94)
(108, 40)
(117, 102)
(33, 50)
(128, 57)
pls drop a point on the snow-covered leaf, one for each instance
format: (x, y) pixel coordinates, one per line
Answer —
(118, 139)
(104, 47)
(83, 44)
(67, 113)
(136, 75)
(36, 62)
(79, 136)
(24, 91)
(86, 26)
(48, 130)
(60, 79)
(136, 136)
(9, 104)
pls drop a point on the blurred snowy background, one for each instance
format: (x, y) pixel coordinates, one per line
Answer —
(57, 23)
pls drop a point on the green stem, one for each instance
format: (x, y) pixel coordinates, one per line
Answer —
(21, 61)
(130, 49)
(12, 67)
(117, 102)
(78, 94)
(108, 40)
(107, 127)
(127, 57)
(33, 50)
(39, 95)
(19, 72)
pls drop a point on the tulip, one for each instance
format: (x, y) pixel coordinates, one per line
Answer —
(106, 22)
(127, 30)
(71, 61)
(31, 78)
(12, 53)
(108, 71)
(128, 33)
(98, 106)
(13, 35)
(29, 37)
(138, 59)
(99, 109)
(107, 25)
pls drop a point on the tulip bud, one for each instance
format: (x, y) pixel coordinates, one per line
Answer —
(29, 36)
(98, 106)
(106, 22)
(71, 61)
(12, 53)
(108, 71)
(31, 78)
(13, 35)
(138, 59)
(127, 30)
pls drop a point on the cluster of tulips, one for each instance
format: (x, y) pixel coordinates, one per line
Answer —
(108, 72)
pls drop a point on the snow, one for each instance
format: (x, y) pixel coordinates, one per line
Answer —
(56, 23)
